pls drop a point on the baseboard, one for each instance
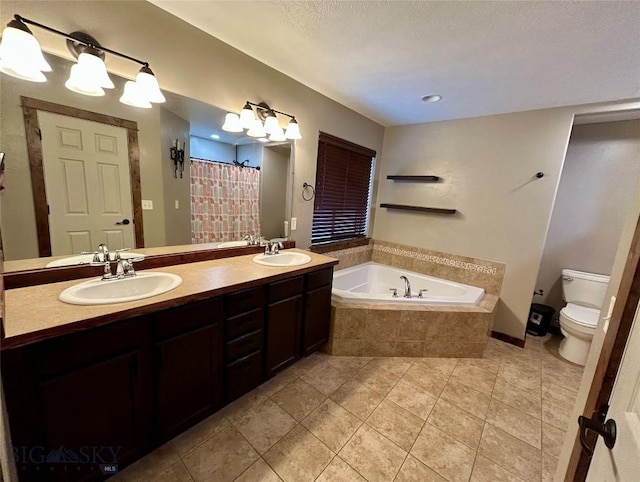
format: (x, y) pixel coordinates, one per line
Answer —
(508, 339)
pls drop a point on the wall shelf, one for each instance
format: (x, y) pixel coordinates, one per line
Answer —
(415, 178)
(422, 209)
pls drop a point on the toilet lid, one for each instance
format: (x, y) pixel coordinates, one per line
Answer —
(581, 314)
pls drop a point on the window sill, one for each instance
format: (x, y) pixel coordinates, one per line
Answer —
(337, 245)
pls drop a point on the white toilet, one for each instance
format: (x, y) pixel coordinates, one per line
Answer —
(584, 294)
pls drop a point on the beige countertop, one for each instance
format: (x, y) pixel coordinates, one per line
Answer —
(35, 313)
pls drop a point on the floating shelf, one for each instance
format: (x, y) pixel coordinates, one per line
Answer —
(415, 178)
(422, 209)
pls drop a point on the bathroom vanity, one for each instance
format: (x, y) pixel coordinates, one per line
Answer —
(89, 386)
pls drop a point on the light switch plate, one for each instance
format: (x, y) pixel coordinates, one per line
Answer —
(147, 204)
(294, 224)
(177, 204)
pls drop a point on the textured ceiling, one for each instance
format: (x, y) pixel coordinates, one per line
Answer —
(380, 57)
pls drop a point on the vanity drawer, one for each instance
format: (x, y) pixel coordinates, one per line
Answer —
(319, 278)
(245, 323)
(172, 322)
(243, 375)
(244, 345)
(243, 301)
(285, 289)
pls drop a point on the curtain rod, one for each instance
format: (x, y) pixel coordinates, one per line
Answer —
(257, 168)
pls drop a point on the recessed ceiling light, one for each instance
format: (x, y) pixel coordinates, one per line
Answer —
(215, 136)
(432, 98)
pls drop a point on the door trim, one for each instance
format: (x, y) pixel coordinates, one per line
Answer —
(30, 108)
(613, 346)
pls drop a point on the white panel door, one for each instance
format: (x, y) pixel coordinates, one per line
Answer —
(622, 462)
(86, 172)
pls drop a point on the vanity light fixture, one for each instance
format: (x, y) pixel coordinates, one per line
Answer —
(261, 123)
(21, 57)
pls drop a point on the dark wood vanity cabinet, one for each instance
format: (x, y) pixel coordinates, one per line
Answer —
(317, 310)
(188, 362)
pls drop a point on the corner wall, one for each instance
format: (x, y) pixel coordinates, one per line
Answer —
(488, 166)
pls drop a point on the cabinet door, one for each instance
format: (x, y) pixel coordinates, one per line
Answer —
(284, 320)
(188, 378)
(317, 317)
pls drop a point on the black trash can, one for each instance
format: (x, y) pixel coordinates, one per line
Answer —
(539, 319)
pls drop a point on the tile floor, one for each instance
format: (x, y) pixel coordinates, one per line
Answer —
(499, 418)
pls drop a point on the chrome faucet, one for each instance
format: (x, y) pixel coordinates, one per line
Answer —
(251, 239)
(407, 287)
(105, 252)
(273, 247)
(124, 269)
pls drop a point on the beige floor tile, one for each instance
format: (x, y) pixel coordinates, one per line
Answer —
(339, 471)
(264, 425)
(278, 382)
(348, 365)
(197, 434)
(298, 399)
(514, 422)
(511, 453)
(552, 439)
(413, 398)
(486, 471)
(421, 376)
(558, 395)
(490, 366)
(478, 378)
(303, 366)
(415, 471)
(549, 464)
(221, 458)
(396, 423)
(377, 379)
(448, 457)
(175, 473)
(462, 396)
(239, 407)
(259, 472)
(332, 424)
(519, 398)
(556, 415)
(325, 378)
(563, 374)
(456, 423)
(372, 455)
(525, 378)
(299, 456)
(394, 365)
(358, 398)
(149, 466)
(441, 366)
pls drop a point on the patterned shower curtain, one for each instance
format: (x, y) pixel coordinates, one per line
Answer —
(224, 202)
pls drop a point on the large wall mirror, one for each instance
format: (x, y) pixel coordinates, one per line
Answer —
(108, 177)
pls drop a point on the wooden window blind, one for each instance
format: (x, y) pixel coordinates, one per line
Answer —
(343, 180)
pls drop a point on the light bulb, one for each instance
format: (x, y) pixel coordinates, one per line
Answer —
(20, 53)
(148, 84)
(133, 96)
(232, 123)
(247, 116)
(293, 130)
(257, 129)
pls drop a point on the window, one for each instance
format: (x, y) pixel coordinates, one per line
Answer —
(343, 185)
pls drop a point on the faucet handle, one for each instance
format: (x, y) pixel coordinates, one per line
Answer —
(96, 258)
(421, 291)
(395, 292)
(118, 251)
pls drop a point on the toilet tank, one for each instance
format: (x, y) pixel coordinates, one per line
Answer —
(586, 289)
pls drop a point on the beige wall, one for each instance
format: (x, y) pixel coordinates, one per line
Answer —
(18, 215)
(273, 190)
(488, 166)
(191, 63)
(599, 178)
(177, 222)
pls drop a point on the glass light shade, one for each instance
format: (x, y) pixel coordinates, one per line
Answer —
(20, 54)
(271, 123)
(133, 96)
(232, 123)
(149, 85)
(293, 130)
(247, 117)
(81, 81)
(257, 129)
(277, 135)
(93, 67)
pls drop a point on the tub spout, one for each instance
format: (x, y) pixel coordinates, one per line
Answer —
(407, 287)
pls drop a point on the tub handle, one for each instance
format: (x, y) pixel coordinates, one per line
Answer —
(395, 292)
(421, 291)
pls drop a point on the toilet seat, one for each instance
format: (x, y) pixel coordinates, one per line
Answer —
(581, 315)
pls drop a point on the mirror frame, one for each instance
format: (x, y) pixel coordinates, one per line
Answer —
(30, 108)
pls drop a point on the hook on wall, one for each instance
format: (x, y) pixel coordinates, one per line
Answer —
(539, 175)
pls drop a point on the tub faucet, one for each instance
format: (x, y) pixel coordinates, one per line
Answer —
(407, 287)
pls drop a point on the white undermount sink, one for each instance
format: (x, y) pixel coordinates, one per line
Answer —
(85, 259)
(232, 244)
(138, 287)
(282, 259)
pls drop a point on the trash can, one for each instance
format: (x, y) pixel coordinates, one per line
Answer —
(539, 319)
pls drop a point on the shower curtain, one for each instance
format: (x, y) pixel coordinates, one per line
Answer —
(224, 202)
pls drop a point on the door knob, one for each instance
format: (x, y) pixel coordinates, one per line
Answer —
(606, 430)
(124, 221)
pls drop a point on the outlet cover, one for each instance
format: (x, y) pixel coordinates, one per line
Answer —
(294, 224)
(177, 204)
(147, 204)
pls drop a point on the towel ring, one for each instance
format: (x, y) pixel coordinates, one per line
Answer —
(306, 186)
